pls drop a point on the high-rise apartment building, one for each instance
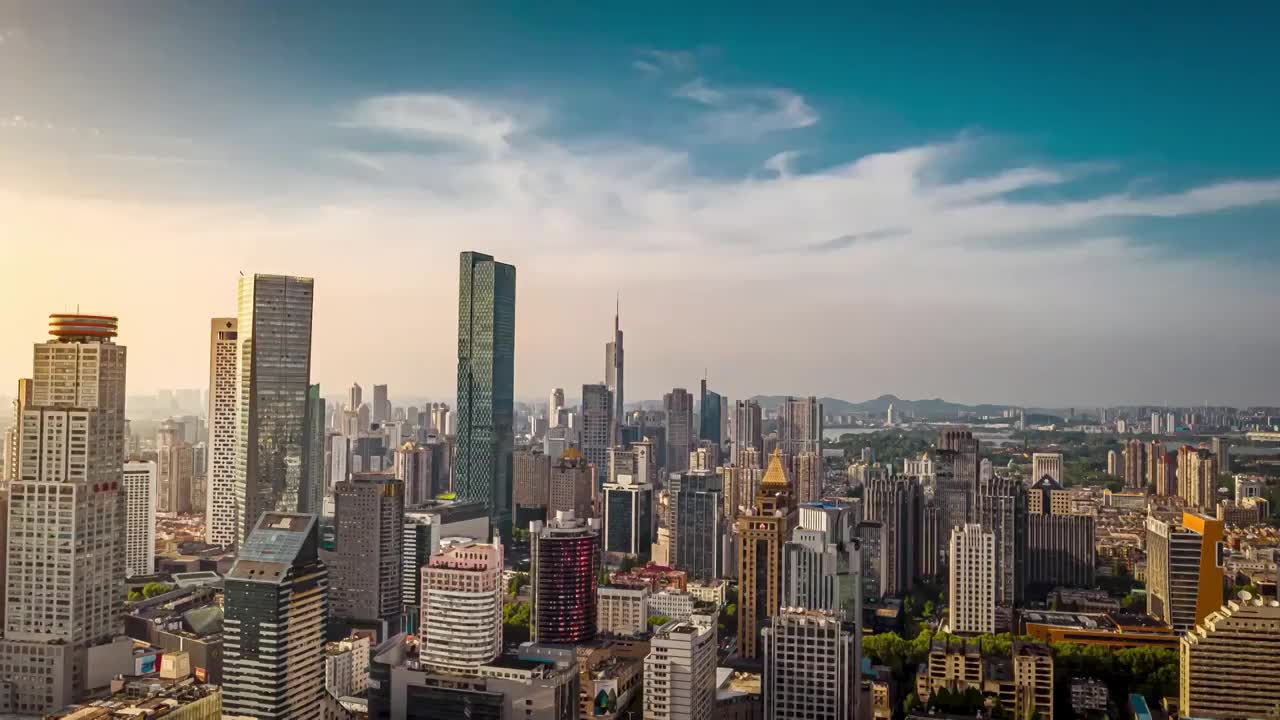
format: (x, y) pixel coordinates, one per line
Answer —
(1135, 461)
(895, 504)
(413, 468)
(680, 671)
(1114, 468)
(555, 406)
(532, 477)
(221, 522)
(570, 488)
(426, 527)
(761, 535)
(596, 418)
(1156, 422)
(277, 583)
(565, 559)
(1184, 569)
(1001, 508)
(273, 328)
(971, 590)
(822, 562)
(176, 468)
(678, 406)
(486, 384)
(613, 380)
(696, 526)
(1228, 665)
(1046, 465)
(366, 563)
(139, 481)
(956, 478)
(462, 591)
(748, 428)
(1198, 477)
(1161, 469)
(808, 476)
(800, 426)
(1222, 450)
(811, 666)
(66, 536)
(628, 517)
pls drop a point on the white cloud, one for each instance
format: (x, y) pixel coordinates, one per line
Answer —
(442, 118)
(655, 60)
(744, 114)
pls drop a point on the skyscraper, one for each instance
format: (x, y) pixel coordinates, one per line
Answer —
(761, 534)
(628, 517)
(1135, 461)
(221, 523)
(355, 397)
(565, 556)
(66, 545)
(486, 384)
(1060, 544)
(274, 332)
(1046, 464)
(1001, 508)
(381, 404)
(709, 419)
(748, 427)
(895, 504)
(555, 405)
(680, 671)
(822, 562)
(808, 475)
(570, 488)
(811, 666)
(1198, 477)
(596, 419)
(800, 426)
(365, 567)
(1228, 662)
(613, 365)
(678, 405)
(140, 517)
(1161, 469)
(532, 471)
(278, 582)
(462, 592)
(956, 480)
(696, 524)
(311, 495)
(1184, 569)
(971, 592)
(176, 467)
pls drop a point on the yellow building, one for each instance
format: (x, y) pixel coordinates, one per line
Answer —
(762, 533)
(1184, 569)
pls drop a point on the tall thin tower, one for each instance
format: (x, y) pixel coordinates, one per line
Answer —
(486, 384)
(272, 441)
(65, 555)
(613, 361)
(221, 521)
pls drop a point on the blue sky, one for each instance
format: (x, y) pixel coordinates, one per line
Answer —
(1079, 208)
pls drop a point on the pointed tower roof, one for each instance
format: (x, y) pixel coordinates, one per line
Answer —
(776, 475)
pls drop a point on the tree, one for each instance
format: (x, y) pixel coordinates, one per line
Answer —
(630, 562)
(516, 621)
(518, 580)
(153, 589)
(658, 620)
(134, 596)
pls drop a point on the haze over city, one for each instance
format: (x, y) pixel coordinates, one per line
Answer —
(1034, 210)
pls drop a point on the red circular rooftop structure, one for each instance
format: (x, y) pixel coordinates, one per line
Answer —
(75, 325)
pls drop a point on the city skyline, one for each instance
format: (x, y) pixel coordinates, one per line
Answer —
(920, 201)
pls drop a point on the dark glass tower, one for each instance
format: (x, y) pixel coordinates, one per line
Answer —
(566, 560)
(709, 416)
(275, 380)
(486, 379)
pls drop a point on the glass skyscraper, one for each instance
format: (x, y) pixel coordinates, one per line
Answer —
(486, 379)
(273, 444)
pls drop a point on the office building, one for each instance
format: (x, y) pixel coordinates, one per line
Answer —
(1046, 465)
(486, 379)
(565, 557)
(570, 487)
(381, 405)
(366, 563)
(532, 477)
(895, 504)
(696, 523)
(65, 549)
(822, 562)
(811, 666)
(311, 496)
(613, 380)
(274, 331)
(1222, 450)
(748, 427)
(555, 407)
(221, 523)
(278, 581)
(680, 671)
(355, 396)
(808, 476)
(1198, 477)
(1184, 569)
(761, 534)
(346, 666)
(1001, 508)
(709, 416)
(679, 430)
(139, 481)
(176, 469)
(462, 590)
(596, 416)
(1135, 461)
(971, 590)
(800, 426)
(874, 576)
(1228, 663)
(956, 478)
(628, 517)
(1060, 543)
(426, 526)
(622, 611)
(414, 468)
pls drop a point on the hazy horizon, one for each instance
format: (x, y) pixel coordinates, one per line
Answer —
(1038, 210)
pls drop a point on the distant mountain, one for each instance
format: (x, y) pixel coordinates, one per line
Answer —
(935, 408)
